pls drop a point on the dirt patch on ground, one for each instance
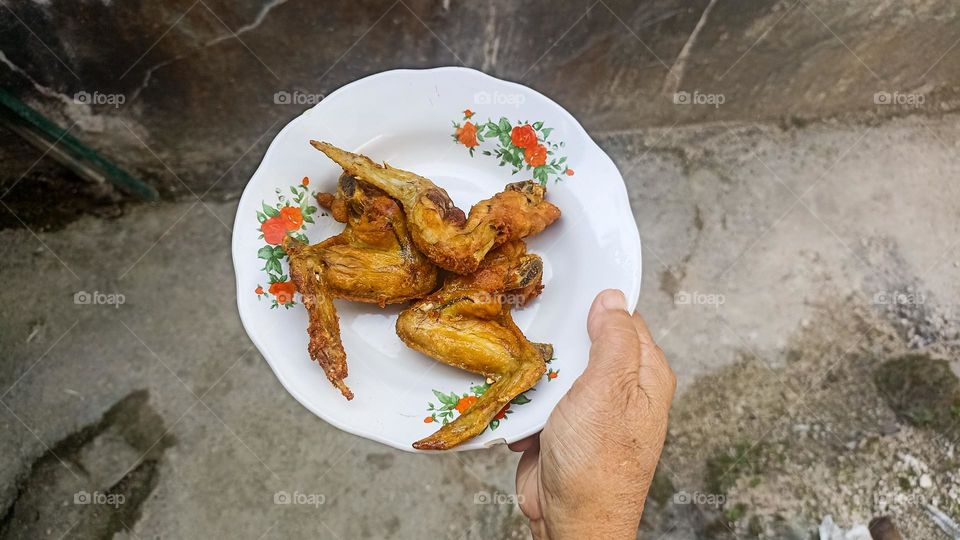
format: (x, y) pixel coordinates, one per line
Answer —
(923, 391)
(94, 482)
(857, 421)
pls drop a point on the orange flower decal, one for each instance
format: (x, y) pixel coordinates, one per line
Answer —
(454, 404)
(465, 403)
(524, 146)
(552, 374)
(288, 216)
(292, 217)
(467, 135)
(274, 229)
(535, 156)
(283, 290)
(523, 136)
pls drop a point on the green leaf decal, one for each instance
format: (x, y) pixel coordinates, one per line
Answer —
(443, 398)
(270, 211)
(522, 399)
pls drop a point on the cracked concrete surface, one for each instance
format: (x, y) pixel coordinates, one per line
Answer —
(771, 219)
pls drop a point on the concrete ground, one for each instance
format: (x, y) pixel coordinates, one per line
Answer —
(762, 228)
(799, 239)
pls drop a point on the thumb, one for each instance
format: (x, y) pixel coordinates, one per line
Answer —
(616, 344)
(609, 301)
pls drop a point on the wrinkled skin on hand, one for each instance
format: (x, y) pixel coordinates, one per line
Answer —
(373, 260)
(452, 240)
(587, 474)
(467, 324)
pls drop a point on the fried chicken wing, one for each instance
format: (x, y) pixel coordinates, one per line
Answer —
(467, 324)
(448, 237)
(325, 346)
(373, 260)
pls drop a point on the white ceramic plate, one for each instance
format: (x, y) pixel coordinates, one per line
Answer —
(406, 117)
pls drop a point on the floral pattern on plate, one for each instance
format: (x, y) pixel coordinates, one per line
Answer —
(522, 145)
(288, 216)
(453, 403)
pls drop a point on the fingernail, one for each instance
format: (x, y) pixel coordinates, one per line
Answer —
(614, 300)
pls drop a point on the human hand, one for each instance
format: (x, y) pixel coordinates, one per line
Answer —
(586, 475)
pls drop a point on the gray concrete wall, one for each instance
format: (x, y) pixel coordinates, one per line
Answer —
(198, 79)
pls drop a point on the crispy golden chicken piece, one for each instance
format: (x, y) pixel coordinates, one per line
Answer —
(447, 237)
(324, 327)
(467, 324)
(373, 260)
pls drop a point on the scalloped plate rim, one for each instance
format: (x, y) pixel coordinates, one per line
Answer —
(632, 295)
